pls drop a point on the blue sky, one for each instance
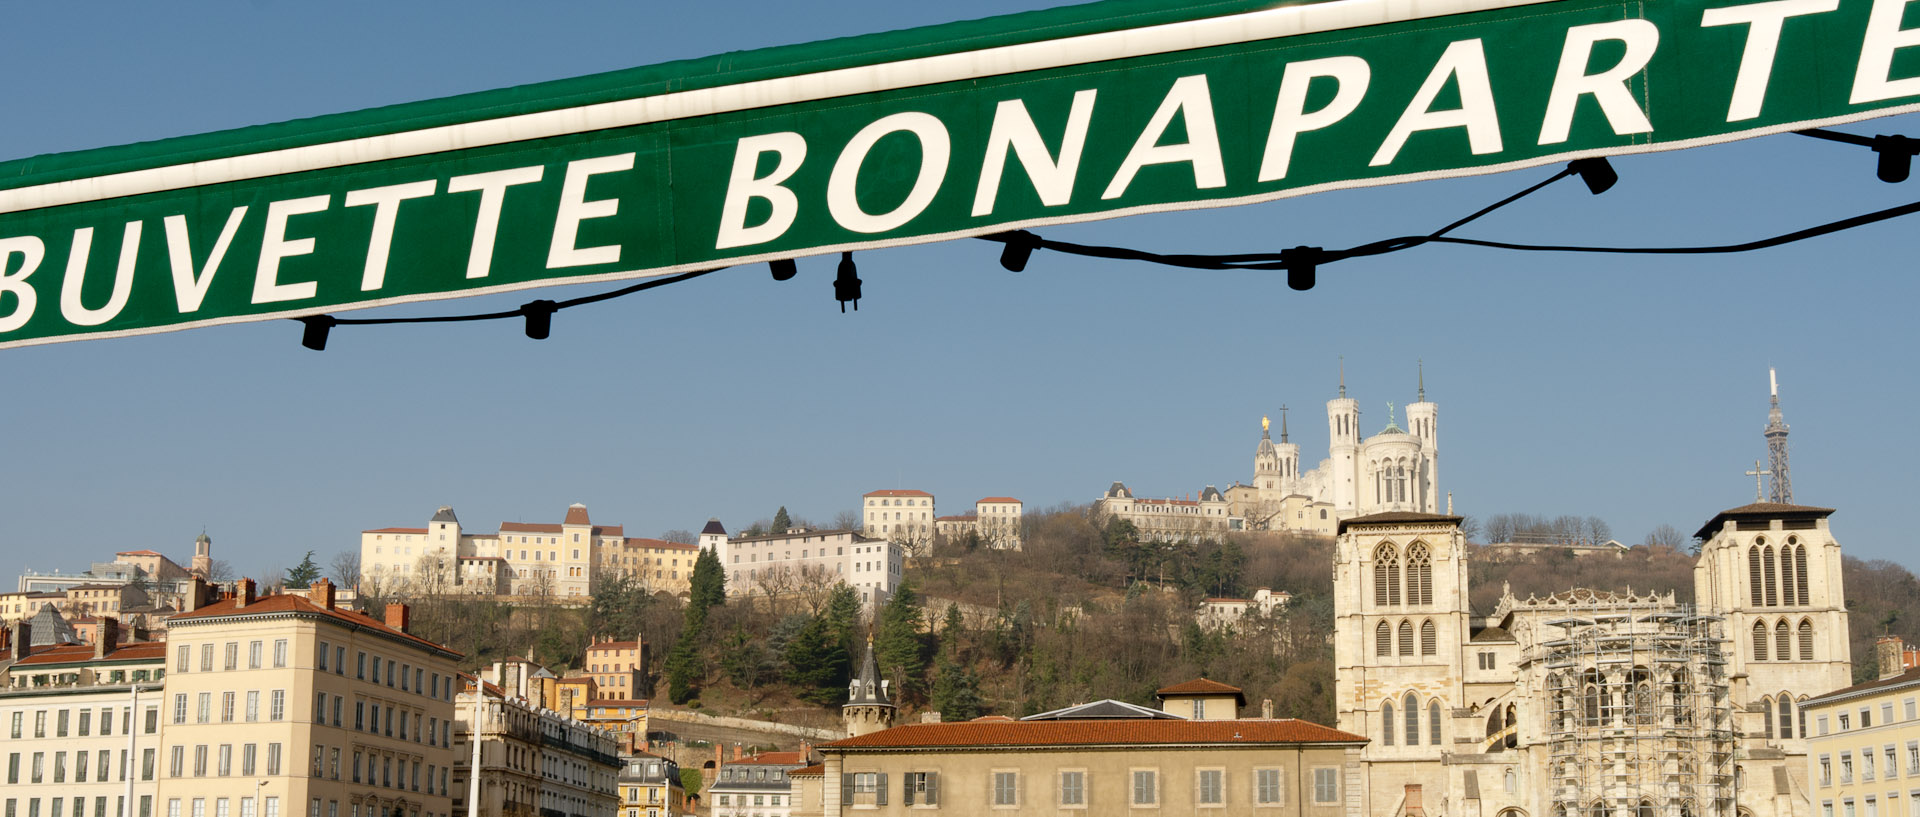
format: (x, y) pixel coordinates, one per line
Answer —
(1633, 389)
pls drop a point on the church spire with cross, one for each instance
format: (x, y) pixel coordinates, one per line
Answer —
(1777, 446)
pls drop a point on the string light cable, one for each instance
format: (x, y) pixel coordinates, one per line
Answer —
(1301, 263)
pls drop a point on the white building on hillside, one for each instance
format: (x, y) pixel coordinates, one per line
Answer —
(801, 559)
(520, 559)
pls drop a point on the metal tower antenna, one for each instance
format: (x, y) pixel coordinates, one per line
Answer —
(1777, 446)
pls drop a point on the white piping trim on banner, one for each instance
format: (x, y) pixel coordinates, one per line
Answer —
(999, 61)
(1201, 204)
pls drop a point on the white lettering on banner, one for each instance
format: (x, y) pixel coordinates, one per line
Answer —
(386, 209)
(492, 187)
(743, 188)
(1290, 119)
(1189, 98)
(1609, 88)
(936, 149)
(274, 246)
(31, 252)
(1884, 36)
(574, 208)
(190, 289)
(1764, 22)
(1465, 61)
(1013, 128)
(71, 308)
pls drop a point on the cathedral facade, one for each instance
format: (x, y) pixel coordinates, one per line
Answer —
(1584, 703)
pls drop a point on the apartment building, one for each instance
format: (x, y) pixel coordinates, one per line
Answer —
(801, 558)
(1182, 520)
(898, 515)
(288, 705)
(995, 520)
(81, 720)
(1863, 749)
(619, 668)
(533, 761)
(519, 559)
(754, 786)
(650, 787)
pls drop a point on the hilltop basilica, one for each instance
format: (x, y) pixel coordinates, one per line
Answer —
(1585, 703)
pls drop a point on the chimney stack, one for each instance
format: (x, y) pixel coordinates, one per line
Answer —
(22, 639)
(196, 594)
(321, 592)
(1266, 708)
(1889, 650)
(107, 638)
(397, 616)
(243, 594)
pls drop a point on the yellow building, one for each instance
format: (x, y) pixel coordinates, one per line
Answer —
(619, 668)
(1863, 750)
(650, 787)
(73, 723)
(287, 706)
(1106, 757)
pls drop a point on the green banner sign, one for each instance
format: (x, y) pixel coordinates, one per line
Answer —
(1075, 114)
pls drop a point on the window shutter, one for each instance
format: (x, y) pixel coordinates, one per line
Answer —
(846, 789)
(880, 790)
(906, 789)
(933, 788)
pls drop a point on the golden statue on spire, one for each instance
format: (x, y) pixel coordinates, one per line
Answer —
(1265, 425)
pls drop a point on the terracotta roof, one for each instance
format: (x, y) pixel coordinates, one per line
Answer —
(804, 533)
(816, 770)
(1201, 686)
(770, 759)
(897, 492)
(139, 553)
(1392, 517)
(613, 645)
(528, 527)
(1908, 678)
(80, 653)
(1760, 510)
(1134, 732)
(999, 499)
(576, 515)
(300, 604)
(618, 702)
(396, 530)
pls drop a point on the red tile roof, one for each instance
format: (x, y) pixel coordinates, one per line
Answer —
(1131, 732)
(528, 527)
(576, 515)
(897, 492)
(614, 645)
(1201, 686)
(139, 553)
(660, 543)
(639, 702)
(80, 653)
(300, 604)
(816, 770)
(1003, 499)
(396, 530)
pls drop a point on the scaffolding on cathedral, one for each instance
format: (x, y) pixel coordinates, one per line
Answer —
(1641, 722)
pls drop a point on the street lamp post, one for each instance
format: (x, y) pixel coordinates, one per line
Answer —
(133, 754)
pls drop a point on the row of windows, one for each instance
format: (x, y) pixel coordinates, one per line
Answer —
(54, 806)
(203, 706)
(1891, 768)
(1782, 640)
(1383, 638)
(183, 656)
(1387, 572)
(1410, 712)
(39, 771)
(410, 678)
(79, 721)
(223, 760)
(1072, 788)
(1910, 710)
(1873, 805)
(1777, 579)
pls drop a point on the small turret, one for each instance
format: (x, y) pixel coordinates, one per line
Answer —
(869, 707)
(203, 555)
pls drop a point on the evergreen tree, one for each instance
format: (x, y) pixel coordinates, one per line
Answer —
(951, 632)
(302, 575)
(842, 615)
(707, 586)
(956, 693)
(781, 521)
(900, 646)
(684, 668)
(817, 664)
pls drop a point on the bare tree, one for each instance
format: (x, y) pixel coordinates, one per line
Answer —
(1666, 536)
(219, 570)
(847, 520)
(775, 583)
(813, 584)
(344, 570)
(680, 536)
(1598, 530)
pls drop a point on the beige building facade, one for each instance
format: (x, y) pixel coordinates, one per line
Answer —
(525, 559)
(534, 761)
(905, 516)
(1187, 520)
(1863, 750)
(801, 559)
(286, 706)
(75, 731)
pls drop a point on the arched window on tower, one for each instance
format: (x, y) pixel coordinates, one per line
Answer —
(1766, 715)
(1419, 575)
(1644, 712)
(1766, 565)
(1786, 577)
(1386, 576)
(1383, 639)
(1682, 710)
(1782, 641)
(1806, 639)
(1433, 722)
(1386, 723)
(1645, 809)
(1755, 594)
(1406, 638)
(1412, 707)
(1800, 573)
(1590, 697)
(1512, 740)
(1428, 641)
(1786, 717)
(1759, 641)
